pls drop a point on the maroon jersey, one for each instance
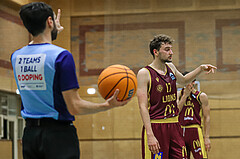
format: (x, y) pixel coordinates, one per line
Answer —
(192, 110)
(162, 94)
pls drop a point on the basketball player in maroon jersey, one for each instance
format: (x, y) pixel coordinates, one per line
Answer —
(194, 115)
(157, 96)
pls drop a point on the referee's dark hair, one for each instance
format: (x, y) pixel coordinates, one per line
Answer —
(34, 16)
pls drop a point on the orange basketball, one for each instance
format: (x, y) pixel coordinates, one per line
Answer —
(117, 77)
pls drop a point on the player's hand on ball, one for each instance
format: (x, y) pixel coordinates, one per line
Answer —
(208, 68)
(114, 102)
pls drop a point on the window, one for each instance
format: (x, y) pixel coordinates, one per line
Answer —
(10, 106)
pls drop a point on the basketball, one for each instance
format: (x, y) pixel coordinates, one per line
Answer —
(117, 77)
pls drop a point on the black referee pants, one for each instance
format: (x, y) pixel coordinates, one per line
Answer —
(50, 139)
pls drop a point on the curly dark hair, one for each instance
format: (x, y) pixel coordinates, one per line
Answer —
(158, 41)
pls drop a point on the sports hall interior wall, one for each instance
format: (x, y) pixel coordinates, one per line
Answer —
(104, 32)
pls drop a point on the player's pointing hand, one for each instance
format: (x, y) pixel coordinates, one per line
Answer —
(208, 68)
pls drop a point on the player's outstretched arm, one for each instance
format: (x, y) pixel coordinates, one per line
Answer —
(206, 117)
(208, 68)
(78, 106)
(143, 79)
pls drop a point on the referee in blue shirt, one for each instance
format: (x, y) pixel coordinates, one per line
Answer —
(46, 78)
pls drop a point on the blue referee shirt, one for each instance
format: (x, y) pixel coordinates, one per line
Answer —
(42, 72)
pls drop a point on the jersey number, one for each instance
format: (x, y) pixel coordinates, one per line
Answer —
(169, 88)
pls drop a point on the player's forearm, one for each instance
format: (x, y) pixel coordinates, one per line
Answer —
(207, 126)
(143, 107)
(181, 102)
(192, 75)
(146, 121)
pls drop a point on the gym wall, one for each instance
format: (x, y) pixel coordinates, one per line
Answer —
(103, 32)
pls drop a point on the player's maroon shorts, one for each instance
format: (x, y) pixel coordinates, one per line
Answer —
(194, 141)
(169, 135)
